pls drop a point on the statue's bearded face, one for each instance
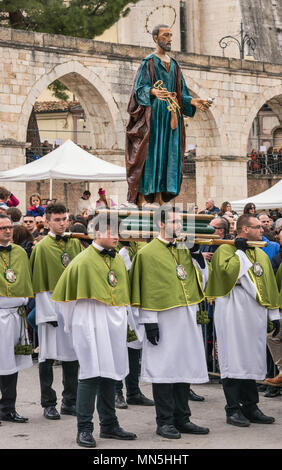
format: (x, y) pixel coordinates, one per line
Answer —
(164, 39)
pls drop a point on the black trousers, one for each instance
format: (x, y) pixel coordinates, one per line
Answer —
(8, 388)
(240, 394)
(70, 380)
(88, 390)
(171, 403)
(132, 379)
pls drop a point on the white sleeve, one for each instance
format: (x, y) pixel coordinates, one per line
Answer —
(44, 308)
(274, 314)
(148, 316)
(125, 256)
(65, 311)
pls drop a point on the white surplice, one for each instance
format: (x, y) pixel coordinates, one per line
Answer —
(54, 342)
(99, 334)
(10, 328)
(241, 328)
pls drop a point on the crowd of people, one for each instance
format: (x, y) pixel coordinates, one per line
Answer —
(104, 308)
(268, 162)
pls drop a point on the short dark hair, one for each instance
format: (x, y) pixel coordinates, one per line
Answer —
(156, 29)
(87, 193)
(56, 208)
(103, 221)
(244, 220)
(4, 193)
(14, 213)
(5, 216)
(162, 212)
(21, 234)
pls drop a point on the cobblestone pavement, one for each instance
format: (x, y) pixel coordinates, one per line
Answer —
(40, 433)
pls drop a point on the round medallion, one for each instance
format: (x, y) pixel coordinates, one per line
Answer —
(257, 269)
(112, 279)
(10, 275)
(65, 258)
(181, 272)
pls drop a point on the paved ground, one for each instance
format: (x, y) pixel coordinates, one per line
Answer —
(40, 433)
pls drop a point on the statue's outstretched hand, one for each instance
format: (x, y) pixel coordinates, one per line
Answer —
(203, 105)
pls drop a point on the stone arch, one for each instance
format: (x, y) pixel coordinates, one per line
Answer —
(203, 128)
(95, 96)
(267, 96)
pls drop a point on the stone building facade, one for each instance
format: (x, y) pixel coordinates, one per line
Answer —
(101, 75)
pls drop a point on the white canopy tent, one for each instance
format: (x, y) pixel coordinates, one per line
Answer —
(269, 199)
(67, 162)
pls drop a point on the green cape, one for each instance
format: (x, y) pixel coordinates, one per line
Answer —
(154, 283)
(16, 260)
(86, 278)
(46, 262)
(225, 269)
(279, 278)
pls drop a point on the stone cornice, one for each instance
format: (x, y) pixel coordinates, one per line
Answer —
(14, 38)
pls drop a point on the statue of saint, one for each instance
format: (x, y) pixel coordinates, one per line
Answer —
(155, 135)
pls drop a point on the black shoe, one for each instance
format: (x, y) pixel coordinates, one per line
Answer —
(194, 397)
(272, 392)
(118, 433)
(120, 401)
(13, 417)
(238, 419)
(85, 439)
(169, 431)
(140, 399)
(50, 412)
(261, 387)
(68, 410)
(191, 428)
(258, 417)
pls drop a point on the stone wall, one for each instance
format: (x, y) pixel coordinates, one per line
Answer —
(101, 76)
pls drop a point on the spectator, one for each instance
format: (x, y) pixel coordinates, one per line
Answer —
(4, 196)
(266, 223)
(35, 208)
(81, 220)
(46, 147)
(85, 202)
(278, 224)
(3, 210)
(277, 259)
(23, 237)
(226, 207)
(103, 201)
(230, 217)
(15, 214)
(29, 223)
(80, 228)
(280, 161)
(250, 208)
(210, 208)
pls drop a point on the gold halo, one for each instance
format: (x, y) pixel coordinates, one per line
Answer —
(154, 10)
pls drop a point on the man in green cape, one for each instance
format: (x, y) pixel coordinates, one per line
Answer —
(275, 343)
(92, 295)
(49, 259)
(242, 283)
(167, 287)
(15, 290)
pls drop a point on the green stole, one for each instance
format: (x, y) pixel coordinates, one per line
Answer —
(17, 260)
(86, 278)
(46, 262)
(154, 283)
(225, 269)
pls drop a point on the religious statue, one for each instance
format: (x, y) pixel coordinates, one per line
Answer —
(155, 134)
